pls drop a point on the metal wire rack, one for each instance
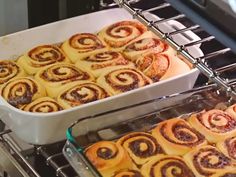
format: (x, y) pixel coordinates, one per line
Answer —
(43, 161)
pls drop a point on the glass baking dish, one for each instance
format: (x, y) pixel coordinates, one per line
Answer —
(113, 124)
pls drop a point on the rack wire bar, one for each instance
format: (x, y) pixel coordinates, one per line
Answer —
(168, 19)
(216, 53)
(197, 62)
(161, 6)
(194, 27)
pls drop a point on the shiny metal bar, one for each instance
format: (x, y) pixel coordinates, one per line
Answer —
(226, 68)
(207, 39)
(212, 75)
(216, 53)
(161, 6)
(53, 156)
(168, 19)
(184, 30)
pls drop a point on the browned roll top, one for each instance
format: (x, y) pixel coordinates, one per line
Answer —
(203, 160)
(85, 42)
(8, 70)
(45, 55)
(128, 173)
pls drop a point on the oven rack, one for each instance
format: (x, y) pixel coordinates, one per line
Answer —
(200, 63)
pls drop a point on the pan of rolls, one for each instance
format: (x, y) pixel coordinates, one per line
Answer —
(52, 75)
(193, 135)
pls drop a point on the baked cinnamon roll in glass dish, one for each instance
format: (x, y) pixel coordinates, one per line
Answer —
(9, 70)
(21, 91)
(128, 173)
(56, 77)
(228, 147)
(159, 66)
(43, 105)
(83, 45)
(177, 137)
(166, 166)
(81, 93)
(232, 111)
(123, 80)
(215, 124)
(109, 158)
(41, 56)
(140, 146)
(119, 34)
(101, 62)
(225, 173)
(208, 160)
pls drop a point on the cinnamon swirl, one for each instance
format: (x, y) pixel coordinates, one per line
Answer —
(103, 61)
(161, 66)
(43, 105)
(177, 137)
(226, 173)
(166, 166)
(78, 94)
(108, 157)
(128, 173)
(215, 124)
(207, 160)
(9, 70)
(41, 56)
(140, 146)
(119, 34)
(228, 147)
(82, 45)
(21, 91)
(56, 77)
(232, 111)
(123, 80)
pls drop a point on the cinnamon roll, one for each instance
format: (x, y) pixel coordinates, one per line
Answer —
(83, 93)
(207, 160)
(215, 124)
(147, 42)
(103, 61)
(41, 56)
(226, 173)
(166, 166)
(128, 173)
(161, 66)
(119, 34)
(228, 147)
(56, 77)
(43, 105)
(9, 70)
(140, 146)
(82, 45)
(108, 157)
(232, 110)
(21, 91)
(177, 137)
(123, 80)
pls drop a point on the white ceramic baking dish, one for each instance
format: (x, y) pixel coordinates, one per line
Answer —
(38, 128)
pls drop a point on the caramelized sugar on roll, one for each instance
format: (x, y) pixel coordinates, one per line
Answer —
(207, 161)
(103, 61)
(82, 45)
(9, 70)
(43, 105)
(108, 157)
(228, 147)
(232, 111)
(144, 45)
(226, 173)
(153, 65)
(81, 94)
(41, 56)
(215, 124)
(140, 146)
(128, 173)
(177, 137)
(123, 80)
(21, 91)
(166, 166)
(56, 77)
(121, 33)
